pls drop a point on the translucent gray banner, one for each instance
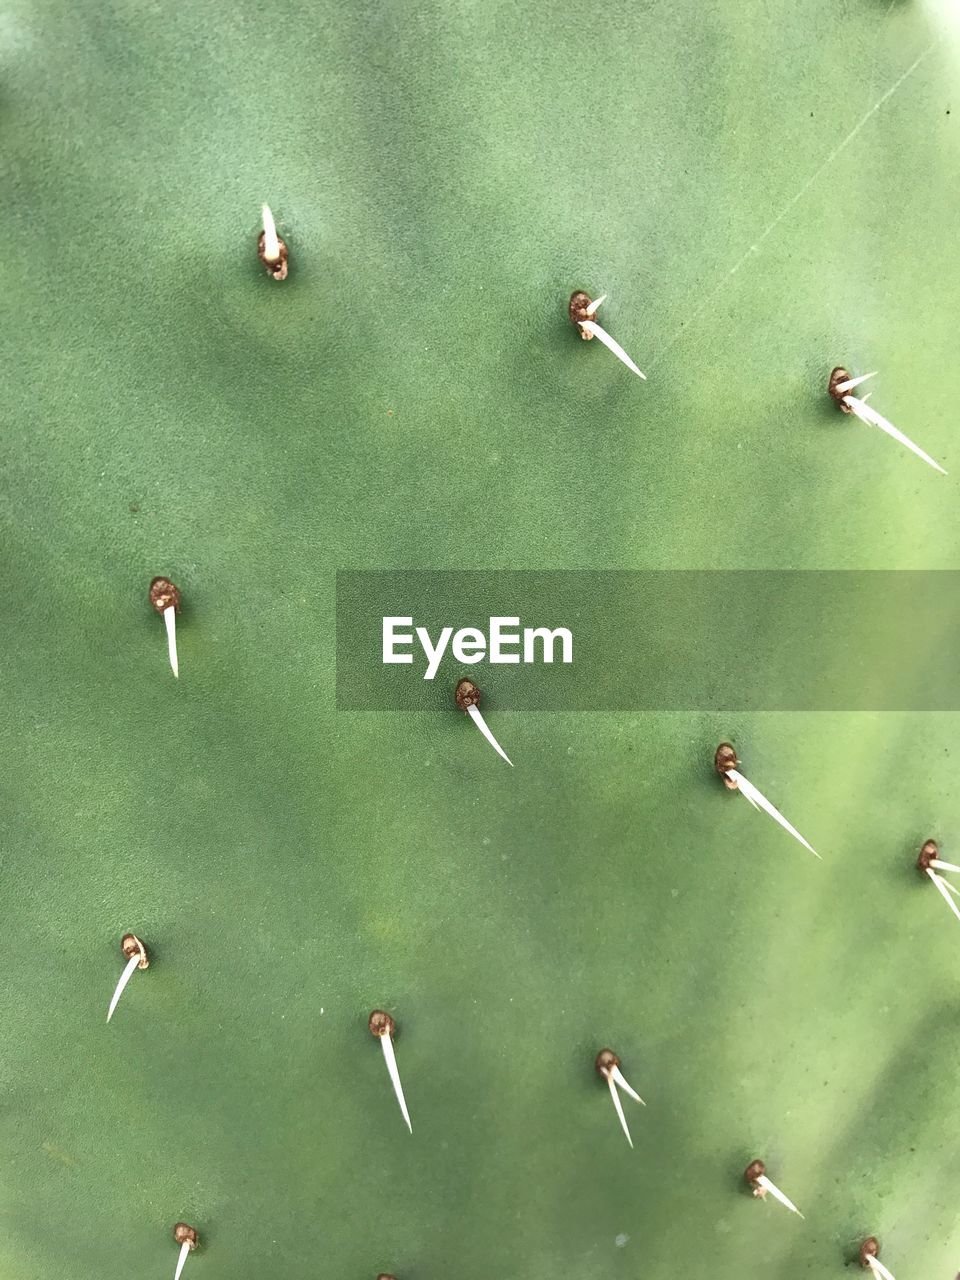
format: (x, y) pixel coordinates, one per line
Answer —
(748, 640)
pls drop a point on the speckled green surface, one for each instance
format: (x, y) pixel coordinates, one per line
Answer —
(413, 396)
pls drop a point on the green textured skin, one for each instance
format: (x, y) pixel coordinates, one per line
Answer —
(414, 396)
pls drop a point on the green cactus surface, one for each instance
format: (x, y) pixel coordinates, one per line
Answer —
(764, 191)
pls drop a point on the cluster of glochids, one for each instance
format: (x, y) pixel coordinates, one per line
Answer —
(272, 251)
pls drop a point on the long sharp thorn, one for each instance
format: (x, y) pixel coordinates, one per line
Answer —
(761, 802)
(843, 387)
(944, 866)
(184, 1250)
(476, 716)
(592, 309)
(394, 1074)
(866, 413)
(170, 619)
(941, 889)
(619, 1107)
(271, 241)
(124, 979)
(591, 326)
(878, 1269)
(777, 1194)
(617, 1075)
(947, 885)
(738, 779)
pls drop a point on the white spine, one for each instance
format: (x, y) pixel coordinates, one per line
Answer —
(747, 789)
(611, 344)
(271, 241)
(942, 890)
(617, 1075)
(124, 979)
(184, 1250)
(170, 621)
(777, 1194)
(878, 1269)
(618, 1105)
(866, 413)
(394, 1073)
(477, 718)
